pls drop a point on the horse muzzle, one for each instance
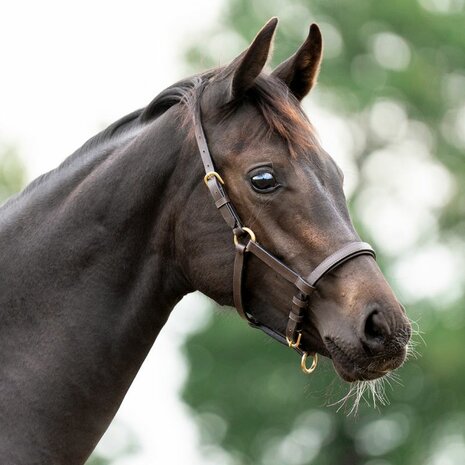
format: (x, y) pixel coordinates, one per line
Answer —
(376, 350)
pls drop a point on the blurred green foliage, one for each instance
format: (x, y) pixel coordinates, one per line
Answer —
(96, 459)
(11, 172)
(246, 391)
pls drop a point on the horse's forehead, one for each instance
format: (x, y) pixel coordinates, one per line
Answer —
(244, 144)
(248, 131)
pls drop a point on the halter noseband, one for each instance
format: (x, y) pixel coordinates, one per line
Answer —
(245, 242)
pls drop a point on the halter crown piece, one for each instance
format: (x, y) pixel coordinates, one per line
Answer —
(245, 242)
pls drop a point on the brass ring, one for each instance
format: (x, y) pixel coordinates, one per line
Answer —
(292, 344)
(303, 363)
(212, 174)
(249, 232)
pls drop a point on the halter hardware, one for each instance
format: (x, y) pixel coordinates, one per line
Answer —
(303, 363)
(305, 286)
(292, 344)
(212, 174)
(249, 232)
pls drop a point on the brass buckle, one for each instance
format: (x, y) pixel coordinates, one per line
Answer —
(292, 344)
(212, 174)
(303, 363)
(249, 232)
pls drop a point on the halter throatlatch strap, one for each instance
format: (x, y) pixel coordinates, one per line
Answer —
(245, 242)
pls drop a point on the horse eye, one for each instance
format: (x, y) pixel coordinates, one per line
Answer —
(264, 181)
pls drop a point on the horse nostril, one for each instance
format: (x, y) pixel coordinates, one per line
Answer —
(376, 330)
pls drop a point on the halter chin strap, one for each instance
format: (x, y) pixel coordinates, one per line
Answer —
(245, 242)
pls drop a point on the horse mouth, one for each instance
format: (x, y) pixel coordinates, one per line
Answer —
(356, 373)
(361, 368)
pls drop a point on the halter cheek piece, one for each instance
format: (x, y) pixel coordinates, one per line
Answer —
(245, 242)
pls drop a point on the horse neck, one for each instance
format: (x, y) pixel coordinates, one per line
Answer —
(91, 283)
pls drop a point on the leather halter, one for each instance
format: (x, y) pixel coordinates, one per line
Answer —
(245, 242)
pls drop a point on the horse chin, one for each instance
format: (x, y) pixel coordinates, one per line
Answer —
(354, 373)
(353, 369)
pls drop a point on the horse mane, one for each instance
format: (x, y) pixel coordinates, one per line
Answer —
(278, 107)
(281, 111)
(270, 96)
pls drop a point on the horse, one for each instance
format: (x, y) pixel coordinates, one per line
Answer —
(96, 253)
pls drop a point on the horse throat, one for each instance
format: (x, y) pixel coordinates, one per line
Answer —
(87, 282)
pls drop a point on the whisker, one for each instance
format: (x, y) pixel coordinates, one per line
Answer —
(395, 378)
(373, 392)
(417, 332)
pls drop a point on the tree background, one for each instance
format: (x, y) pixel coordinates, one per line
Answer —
(391, 105)
(11, 171)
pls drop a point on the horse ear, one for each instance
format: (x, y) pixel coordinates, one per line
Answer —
(300, 71)
(250, 63)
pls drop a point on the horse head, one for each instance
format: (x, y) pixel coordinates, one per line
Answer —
(289, 191)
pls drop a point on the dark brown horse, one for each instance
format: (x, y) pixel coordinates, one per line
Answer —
(95, 254)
